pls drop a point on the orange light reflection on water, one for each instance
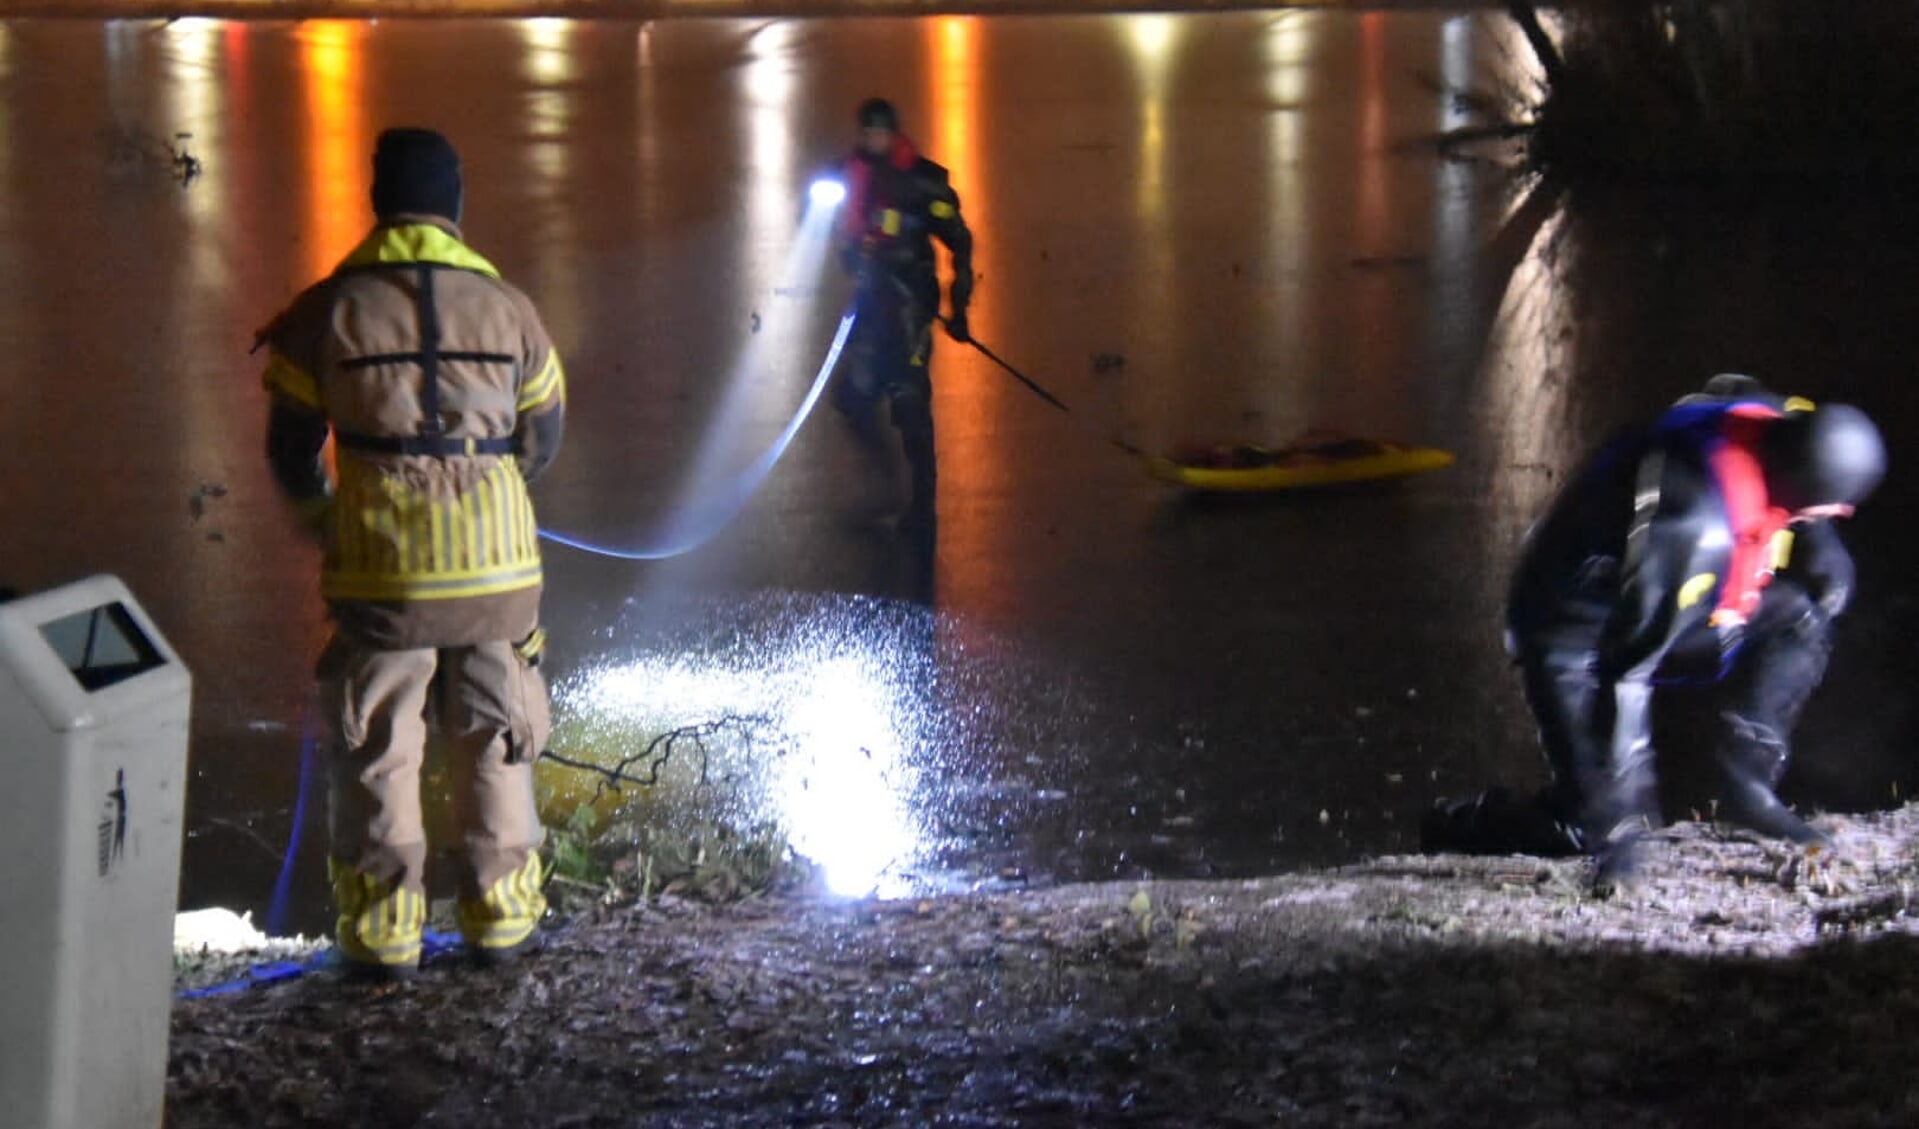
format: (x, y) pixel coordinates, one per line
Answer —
(970, 402)
(337, 150)
(336, 147)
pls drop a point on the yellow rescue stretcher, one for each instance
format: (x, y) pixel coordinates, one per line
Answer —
(1316, 459)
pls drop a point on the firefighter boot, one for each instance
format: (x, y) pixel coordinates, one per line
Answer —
(500, 924)
(381, 924)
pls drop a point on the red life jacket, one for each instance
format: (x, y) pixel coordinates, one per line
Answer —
(1756, 523)
(858, 219)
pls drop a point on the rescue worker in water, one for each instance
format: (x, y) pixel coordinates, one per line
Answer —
(1699, 549)
(444, 398)
(897, 203)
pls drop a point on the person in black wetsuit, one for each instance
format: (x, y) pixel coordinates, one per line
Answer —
(897, 203)
(1700, 547)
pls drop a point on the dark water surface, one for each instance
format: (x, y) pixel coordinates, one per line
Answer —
(1087, 675)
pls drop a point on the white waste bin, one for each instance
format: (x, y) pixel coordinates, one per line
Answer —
(93, 758)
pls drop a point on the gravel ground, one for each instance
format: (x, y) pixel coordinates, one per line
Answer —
(1731, 988)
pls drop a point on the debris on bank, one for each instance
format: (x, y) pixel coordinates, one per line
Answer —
(1734, 985)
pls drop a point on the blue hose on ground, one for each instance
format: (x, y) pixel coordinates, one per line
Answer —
(432, 945)
(742, 489)
(283, 885)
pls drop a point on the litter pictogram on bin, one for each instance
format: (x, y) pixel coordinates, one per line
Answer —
(113, 823)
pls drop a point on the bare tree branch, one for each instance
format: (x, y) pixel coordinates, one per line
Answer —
(659, 751)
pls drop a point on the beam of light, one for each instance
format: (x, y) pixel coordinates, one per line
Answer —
(696, 525)
(714, 492)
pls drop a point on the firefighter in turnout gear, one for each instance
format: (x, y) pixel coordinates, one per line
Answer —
(1699, 550)
(444, 397)
(897, 203)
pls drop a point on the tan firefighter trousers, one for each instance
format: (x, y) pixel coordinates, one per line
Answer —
(490, 706)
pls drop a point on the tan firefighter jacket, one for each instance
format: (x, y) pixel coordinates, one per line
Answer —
(443, 395)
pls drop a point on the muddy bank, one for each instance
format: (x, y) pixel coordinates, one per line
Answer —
(1728, 989)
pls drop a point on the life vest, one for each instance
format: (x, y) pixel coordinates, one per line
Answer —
(868, 213)
(1729, 435)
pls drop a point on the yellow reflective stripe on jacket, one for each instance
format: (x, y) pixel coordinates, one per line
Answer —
(416, 243)
(1782, 543)
(468, 531)
(1696, 589)
(287, 379)
(391, 542)
(548, 383)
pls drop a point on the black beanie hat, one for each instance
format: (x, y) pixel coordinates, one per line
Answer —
(878, 113)
(416, 171)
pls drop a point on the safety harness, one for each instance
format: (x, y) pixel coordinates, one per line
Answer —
(1728, 436)
(859, 221)
(432, 440)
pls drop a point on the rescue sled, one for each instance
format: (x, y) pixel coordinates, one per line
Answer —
(1315, 459)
